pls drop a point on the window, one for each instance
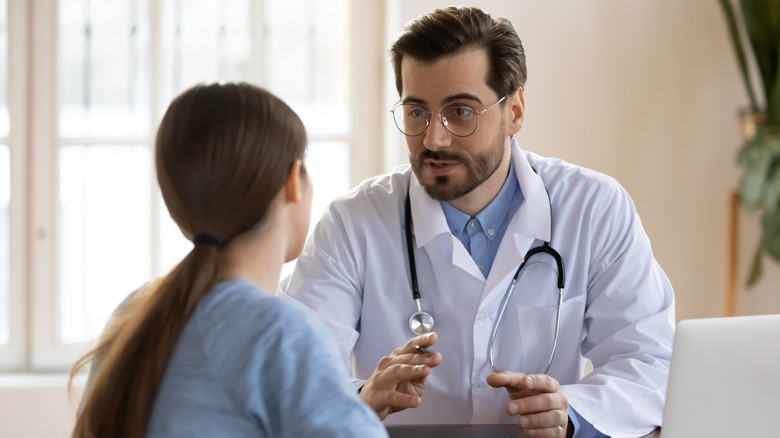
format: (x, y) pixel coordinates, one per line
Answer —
(13, 203)
(103, 73)
(5, 184)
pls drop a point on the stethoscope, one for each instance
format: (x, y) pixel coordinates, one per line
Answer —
(421, 322)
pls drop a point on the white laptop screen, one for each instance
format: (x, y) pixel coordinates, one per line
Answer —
(724, 379)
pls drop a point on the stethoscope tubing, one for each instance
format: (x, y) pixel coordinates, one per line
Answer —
(545, 248)
(421, 322)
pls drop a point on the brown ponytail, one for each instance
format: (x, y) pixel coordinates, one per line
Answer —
(223, 153)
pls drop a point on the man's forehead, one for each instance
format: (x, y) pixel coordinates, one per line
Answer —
(462, 75)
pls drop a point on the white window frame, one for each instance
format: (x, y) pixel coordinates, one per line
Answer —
(35, 153)
(13, 354)
(44, 348)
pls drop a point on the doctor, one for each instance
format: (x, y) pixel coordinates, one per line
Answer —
(478, 204)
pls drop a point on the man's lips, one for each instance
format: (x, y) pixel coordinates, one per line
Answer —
(440, 167)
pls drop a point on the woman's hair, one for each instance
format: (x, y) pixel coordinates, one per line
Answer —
(451, 30)
(223, 153)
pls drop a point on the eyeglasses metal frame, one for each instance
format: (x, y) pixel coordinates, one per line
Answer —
(444, 121)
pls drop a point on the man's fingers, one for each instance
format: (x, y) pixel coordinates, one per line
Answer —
(395, 374)
(402, 372)
(506, 379)
(541, 383)
(541, 420)
(399, 401)
(430, 359)
(417, 342)
(538, 403)
(388, 390)
(399, 379)
(519, 381)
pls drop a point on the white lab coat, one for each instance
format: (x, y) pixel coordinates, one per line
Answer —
(618, 308)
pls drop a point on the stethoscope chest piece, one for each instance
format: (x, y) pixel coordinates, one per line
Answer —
(421, 323)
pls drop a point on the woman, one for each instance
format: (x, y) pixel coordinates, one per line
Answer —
(206, 350)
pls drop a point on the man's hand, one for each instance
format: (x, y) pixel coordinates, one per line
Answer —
(398, 381)
(536, 400)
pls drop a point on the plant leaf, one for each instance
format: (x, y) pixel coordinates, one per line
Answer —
(756, 268)
(770, 233)
(771, 190)
(762, 23)
(773, 96)
(755, 157)
(750, 188)
(736, 43)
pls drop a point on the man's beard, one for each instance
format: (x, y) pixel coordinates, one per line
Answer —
(478, 170)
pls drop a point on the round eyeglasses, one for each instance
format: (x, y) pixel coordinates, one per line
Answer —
(460, 120)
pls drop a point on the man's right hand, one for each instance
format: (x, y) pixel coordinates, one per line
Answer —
(398, 381)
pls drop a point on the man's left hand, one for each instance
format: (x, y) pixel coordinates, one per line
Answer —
(536, 399)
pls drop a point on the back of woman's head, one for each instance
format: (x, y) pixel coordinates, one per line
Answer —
(224, 152)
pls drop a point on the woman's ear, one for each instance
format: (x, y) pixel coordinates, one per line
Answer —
(516, 104)
(293, 189)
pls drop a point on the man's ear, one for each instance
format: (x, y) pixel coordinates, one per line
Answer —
(293, 190)
(516, 104)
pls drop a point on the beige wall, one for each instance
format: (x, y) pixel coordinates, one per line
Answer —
(37, 406)
(645, 91)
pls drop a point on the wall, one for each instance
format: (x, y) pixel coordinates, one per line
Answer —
(37, 406)
(647, 92)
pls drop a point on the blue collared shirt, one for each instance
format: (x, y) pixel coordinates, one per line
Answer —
(482, 234)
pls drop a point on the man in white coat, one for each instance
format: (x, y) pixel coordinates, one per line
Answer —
(478, 204)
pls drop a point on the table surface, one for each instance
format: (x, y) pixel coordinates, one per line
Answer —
(457, 431)
(467, 431)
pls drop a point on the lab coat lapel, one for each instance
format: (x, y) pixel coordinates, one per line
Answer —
(433, 226)
(531, 222)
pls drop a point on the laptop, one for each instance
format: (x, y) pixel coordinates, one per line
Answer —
(724, 378)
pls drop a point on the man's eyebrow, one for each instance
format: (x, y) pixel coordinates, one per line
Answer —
(447, 100)
(462, 96)
(413, 100)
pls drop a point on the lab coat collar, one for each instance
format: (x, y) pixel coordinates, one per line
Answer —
(427, 216)
(533, 217)
(531, 220)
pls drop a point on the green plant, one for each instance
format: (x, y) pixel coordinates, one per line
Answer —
(759, 186)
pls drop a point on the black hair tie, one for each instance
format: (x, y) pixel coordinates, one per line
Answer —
(207, 239)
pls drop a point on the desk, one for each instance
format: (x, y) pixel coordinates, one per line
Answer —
(467, 431)
(457, 431)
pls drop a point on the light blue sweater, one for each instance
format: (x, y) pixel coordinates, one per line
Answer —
(251, 365)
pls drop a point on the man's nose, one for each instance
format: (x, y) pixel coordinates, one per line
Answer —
(437, 136)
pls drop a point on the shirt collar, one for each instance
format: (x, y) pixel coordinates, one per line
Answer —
(492, 216)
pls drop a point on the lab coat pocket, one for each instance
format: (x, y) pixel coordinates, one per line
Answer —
(536, 327)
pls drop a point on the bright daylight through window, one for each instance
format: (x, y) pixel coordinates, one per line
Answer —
(115, 81)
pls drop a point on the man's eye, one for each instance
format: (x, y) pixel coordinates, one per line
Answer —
(417, 113)
(462, 112)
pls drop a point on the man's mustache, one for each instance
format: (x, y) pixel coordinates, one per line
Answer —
(440, 155)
